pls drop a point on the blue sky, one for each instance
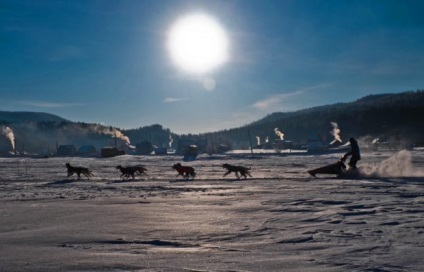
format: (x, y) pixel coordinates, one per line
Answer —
(107, 62)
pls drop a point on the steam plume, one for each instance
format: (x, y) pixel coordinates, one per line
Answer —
(335, 132)
(258, 139)
(279, 133)
(114, 133)
(170, 140)
(121, 136)
(6, 131)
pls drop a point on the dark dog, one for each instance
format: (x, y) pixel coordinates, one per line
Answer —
(139, 169)
(244, 171)
(184, 171)
(131, 171)
(78, 170)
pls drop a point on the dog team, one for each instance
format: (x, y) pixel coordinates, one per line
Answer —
(184, 171)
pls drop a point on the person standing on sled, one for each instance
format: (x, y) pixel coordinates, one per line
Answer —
(354, 152)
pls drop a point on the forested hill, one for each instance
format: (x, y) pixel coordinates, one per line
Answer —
(398, 117)
(37, 132)
(8, 117)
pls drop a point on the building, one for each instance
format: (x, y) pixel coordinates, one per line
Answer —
(66, 150)
(87, 150)
(111, 151)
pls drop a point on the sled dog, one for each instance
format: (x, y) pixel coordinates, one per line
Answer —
(184, 171)
(126, 172)
(244, 171)
(78, 170)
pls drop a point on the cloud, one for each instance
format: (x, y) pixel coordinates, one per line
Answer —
(174, 100)
(289, 101)
(276, 100)
(43, 104)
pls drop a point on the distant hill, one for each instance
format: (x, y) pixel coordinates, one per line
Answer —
(23, 116)
(42, 133)
(39, 132)
(398, 117)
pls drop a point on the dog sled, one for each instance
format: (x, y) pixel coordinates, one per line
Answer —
(339, 169)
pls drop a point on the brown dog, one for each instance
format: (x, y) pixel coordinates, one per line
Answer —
(244, 171)
(131, 171)
(78, 170)
(184, 171)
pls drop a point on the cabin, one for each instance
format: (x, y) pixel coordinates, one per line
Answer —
(220, 149)
(161, 151)
(111, 151)
(66, 150)
(144, 148)
(315, 145)
(190, 153)
(184, 145)
(87, 150)
(5, 151)
(283, 144)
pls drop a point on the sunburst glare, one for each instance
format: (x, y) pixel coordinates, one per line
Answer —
(197, 43)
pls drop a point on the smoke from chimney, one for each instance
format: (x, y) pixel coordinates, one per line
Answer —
(279, 133)
(258, 139)
(114, 133)
(6, 131)
(121, 136)
(335, 132)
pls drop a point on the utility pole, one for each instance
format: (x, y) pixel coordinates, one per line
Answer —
(250, 141)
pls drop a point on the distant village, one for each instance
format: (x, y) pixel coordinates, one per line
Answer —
(188, 147)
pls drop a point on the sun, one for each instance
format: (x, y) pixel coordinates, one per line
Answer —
(197, 43)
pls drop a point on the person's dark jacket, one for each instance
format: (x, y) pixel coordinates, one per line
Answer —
(354, 151)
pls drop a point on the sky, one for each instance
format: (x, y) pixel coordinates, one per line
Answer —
(108, 61)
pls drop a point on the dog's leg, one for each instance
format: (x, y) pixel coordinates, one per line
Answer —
(226, 173)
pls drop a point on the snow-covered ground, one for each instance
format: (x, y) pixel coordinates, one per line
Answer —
(282, 219)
